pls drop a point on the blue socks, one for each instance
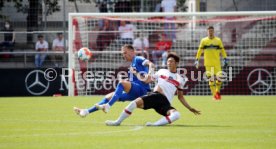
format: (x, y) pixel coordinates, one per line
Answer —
(93, 109)
(117, 94)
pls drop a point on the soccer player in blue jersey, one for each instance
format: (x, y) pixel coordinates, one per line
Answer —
(126, 90)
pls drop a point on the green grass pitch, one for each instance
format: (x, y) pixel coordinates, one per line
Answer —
(49, 122)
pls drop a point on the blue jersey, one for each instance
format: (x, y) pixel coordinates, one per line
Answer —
(138, 64)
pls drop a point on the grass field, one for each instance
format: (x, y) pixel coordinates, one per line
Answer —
(49, 122)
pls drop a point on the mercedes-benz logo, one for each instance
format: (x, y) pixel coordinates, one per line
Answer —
(259, 81)
(35, 82)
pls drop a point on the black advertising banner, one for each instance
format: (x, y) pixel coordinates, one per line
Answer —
(32, 82)
(54, 81)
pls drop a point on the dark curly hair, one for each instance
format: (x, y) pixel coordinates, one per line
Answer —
(174, 56)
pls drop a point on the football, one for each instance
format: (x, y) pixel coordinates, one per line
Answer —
(84, 54)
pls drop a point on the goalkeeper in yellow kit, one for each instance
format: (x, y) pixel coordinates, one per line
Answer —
(212, 47)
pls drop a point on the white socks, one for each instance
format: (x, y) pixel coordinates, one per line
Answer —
(127, 112)
(163, 121)
(166, 120)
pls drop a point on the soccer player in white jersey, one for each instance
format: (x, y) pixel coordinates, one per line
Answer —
(168, 82)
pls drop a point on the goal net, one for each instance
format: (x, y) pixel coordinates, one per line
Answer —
(249, 39)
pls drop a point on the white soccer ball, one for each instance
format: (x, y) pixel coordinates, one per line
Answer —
(84, 54)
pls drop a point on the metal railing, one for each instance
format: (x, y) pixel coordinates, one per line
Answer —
(33, 53)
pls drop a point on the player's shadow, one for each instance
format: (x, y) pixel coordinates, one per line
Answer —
(180, 125)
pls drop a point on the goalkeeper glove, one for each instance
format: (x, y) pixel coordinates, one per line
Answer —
(196, 64)
(225, 62)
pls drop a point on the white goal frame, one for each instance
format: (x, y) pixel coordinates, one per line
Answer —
(71, 29)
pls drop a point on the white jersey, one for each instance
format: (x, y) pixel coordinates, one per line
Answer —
(58, 43)
(127, 31)
(43, 45)
(140, 43)
(168, 5)
(169, 82)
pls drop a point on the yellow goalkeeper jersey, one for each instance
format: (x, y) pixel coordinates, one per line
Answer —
(212, 49)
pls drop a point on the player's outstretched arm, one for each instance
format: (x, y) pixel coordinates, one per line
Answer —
(151, 67)
(185, 103)
(147, 78)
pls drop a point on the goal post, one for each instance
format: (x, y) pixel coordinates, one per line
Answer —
(248, 37)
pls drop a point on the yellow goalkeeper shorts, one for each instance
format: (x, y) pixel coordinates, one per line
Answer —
(213, 71)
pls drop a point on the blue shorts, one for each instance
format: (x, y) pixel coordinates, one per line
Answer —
(135, 92)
